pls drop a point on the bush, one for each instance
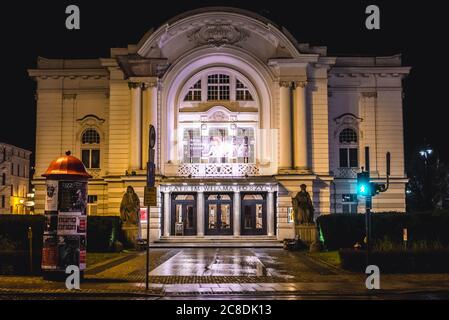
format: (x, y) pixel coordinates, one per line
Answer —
(344, 230)
(102, 231)
(397, 260)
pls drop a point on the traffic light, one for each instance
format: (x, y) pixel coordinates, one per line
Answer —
(364, 187)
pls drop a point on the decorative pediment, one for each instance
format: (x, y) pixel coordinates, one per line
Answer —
(218, 34)
(90, 120)
(347, 120)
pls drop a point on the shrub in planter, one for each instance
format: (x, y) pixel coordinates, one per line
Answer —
(397, 260)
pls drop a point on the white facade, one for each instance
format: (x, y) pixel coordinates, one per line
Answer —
(244, 114)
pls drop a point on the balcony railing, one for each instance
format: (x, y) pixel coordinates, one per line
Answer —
(217, 169)
(348, 173)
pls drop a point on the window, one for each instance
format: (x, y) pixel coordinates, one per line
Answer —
(90, 136)
(90, 149)
(349, 203)
(12, 168)
(218, 87)
(3, 201)
(18, 170)
(91, 158)
(194, 93)
(348, 135)
(241, 92)
(3, 179)
(92, 204)
(349, 153)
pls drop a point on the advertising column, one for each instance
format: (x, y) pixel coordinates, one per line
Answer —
(64, 240)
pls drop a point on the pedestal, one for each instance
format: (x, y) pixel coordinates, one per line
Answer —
(308, 233)
(130, 235)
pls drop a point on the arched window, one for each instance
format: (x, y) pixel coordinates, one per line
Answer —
(218, 87)
(90, 136)
(90, 148)
(349, 152)
(194, 93)
(241, 92)
(348, 135)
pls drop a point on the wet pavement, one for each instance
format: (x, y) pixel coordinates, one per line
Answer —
(213, 262)
(225, 272)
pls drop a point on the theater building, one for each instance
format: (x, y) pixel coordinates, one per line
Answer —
(244, 114)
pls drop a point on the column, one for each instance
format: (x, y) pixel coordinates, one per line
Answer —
(285, 130)
(270, 214)
(149, 116)
(135, 126)
(167, 216)
(300, 151)
(200, 214)
(236, 213)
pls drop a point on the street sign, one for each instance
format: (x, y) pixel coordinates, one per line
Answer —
(150, 197)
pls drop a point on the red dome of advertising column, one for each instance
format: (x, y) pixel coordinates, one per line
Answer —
(67, 165)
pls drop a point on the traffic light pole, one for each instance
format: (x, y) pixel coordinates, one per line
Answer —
(368, 205)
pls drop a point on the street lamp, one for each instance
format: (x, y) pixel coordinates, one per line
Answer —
(426, 153)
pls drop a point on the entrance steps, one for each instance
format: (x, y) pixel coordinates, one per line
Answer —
(217, 242)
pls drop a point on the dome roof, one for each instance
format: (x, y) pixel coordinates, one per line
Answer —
(67, 165)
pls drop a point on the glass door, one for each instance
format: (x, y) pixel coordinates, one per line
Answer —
(254, 214)
(183, 222)
(218, 215)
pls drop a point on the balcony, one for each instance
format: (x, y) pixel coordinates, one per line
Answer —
(347, 173)
(218, 169)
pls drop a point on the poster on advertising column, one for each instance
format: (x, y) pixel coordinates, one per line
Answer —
(72, 227)
(51, 197)
(72, 196)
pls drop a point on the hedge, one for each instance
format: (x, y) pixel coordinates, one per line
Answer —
(397, 261)
(102, 231)
(344, 230)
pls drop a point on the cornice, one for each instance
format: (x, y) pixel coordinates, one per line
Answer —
(68, 73)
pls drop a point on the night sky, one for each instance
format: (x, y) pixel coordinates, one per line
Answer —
(413, 28)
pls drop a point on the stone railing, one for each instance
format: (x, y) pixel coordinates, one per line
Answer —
(348, 173)
(95, 173)
(217, 169)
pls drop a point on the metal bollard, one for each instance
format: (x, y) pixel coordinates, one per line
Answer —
(30, 240)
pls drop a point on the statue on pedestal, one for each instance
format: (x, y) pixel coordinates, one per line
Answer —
(303, 207)
(130, 210)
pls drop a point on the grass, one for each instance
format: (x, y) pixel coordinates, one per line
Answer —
(330, 257)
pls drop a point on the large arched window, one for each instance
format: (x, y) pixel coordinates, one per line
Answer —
(218, 87)
(90, 148)
(348, 148)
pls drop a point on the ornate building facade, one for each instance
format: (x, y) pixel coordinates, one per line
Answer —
(244, 114)
(14, 180)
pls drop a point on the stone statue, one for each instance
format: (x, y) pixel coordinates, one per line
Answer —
(130, 207)
(303, 207)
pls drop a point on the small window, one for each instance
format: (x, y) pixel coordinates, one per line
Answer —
(348, 135)
(92, 204)
(3, 179)
(3, 201)
(92, 198)
(349, 203)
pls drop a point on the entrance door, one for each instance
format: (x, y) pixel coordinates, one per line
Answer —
(218, 215)
(183, 215)
(254, 214)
